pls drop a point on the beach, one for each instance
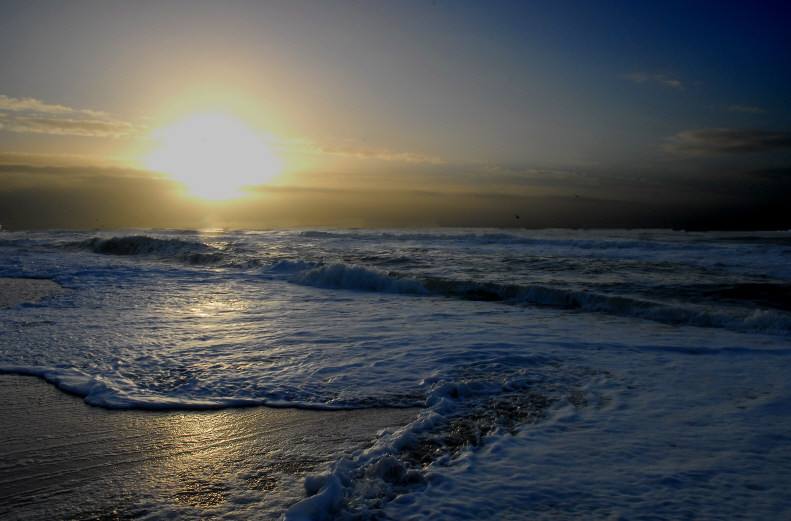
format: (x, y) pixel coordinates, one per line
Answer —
(64, 459)
(16, 291)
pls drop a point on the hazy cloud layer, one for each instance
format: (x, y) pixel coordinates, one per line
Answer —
(9, 104)
(90, 197)
(662, 79)
(307, 146)
(27, 171)
(81, 197)
(727, 141)
(70, 127)
(53, 159)
(381, 154)
(28, 115)
(746, 109)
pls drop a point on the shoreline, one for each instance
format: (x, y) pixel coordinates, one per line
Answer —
(64, 459)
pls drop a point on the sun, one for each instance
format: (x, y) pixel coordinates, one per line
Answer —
(214, 155)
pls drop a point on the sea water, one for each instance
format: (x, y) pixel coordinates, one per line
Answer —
(558, 374)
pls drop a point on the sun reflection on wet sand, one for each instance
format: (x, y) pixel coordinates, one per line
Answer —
(64, 459)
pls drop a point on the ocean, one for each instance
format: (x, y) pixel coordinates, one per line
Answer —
(553, 374)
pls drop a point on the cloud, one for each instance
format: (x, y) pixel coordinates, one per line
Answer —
(71, 127)
(642, 77)
(75, 171)
(83, 197)
(306, 146)
(57, 159)
(9, 104)
(747, 109)
(28, 115)
(782, 174)
(727, 141)
(381, 154)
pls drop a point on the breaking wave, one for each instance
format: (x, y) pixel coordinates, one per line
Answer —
(191, 252)
(746, 307)
(341, 276)
(458, 417)
(745, 317)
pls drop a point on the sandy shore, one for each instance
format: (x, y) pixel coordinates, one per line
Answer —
(63, 459)
(16, 291)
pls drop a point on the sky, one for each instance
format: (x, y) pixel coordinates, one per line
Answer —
(258, 114)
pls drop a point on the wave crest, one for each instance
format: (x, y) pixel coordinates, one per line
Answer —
(736, 318)
(191, 252)
(341, 276)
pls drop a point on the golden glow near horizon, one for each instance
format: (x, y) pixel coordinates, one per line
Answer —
(262, 114)
(214, 155)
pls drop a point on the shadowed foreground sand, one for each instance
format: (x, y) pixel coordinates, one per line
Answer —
(63, 459)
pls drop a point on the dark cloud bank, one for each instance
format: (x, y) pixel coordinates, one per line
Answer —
(728, 141)
(89, 198)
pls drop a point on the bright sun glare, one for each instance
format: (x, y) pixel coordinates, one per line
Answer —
(214, 155)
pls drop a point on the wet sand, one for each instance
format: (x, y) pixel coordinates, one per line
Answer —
(63, 459)
(16, 291)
